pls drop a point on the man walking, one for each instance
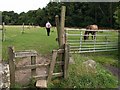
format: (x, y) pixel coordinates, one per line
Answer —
(48, 26)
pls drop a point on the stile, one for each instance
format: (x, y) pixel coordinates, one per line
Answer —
(52, 65)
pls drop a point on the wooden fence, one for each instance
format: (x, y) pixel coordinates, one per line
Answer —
(106, 40)
(60, 57)
(12, 55)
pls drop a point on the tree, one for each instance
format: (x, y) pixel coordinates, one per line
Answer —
(117, 16)
(77, 14)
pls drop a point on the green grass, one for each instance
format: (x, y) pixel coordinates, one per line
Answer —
(78, 77)
(35, 39)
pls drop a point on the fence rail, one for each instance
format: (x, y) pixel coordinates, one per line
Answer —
(106, 40)
(83, 29)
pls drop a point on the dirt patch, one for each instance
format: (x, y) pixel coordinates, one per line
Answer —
(22, 77)
(114, 70)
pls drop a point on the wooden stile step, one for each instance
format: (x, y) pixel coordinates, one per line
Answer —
(41, 84)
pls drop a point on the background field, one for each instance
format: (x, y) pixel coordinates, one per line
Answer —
(37, 39)
(33, 38)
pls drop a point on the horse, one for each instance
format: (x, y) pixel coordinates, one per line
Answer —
(93, 33)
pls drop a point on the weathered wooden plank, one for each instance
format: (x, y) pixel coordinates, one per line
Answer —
(66, 60)
(40, 76)
(60, 50)
(11, 66)
(32, 66)
(33, 62)
(59, 74)
(25, 53)
(52, 64)
(41, 84)
(58, 27)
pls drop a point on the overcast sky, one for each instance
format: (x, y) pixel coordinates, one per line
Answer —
(22, 5)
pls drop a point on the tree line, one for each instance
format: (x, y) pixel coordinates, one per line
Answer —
(80, 14)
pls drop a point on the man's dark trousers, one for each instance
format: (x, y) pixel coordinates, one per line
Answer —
(48, 31)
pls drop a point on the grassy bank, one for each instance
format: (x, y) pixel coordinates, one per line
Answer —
(81, 77)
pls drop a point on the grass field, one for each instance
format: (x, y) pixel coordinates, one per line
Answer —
(33, 39)
(78, 77)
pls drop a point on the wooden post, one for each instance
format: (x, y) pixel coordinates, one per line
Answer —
(66, 60)
(29, 25)
(32, 25)
(52, 64)
(61, 33)
(3, 32)
(58, 28)
(11, 66)
(23, 28)
(33, 62)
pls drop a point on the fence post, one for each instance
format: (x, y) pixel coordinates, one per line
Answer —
(29, 25)
(32, 25)
(94, 43)
(58, 28)
(11, 66)
(33, 62)
(66, 60)
(61, 33)
(23, 28)
(3, 32)
(80, 49)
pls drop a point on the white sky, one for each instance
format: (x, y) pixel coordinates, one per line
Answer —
(22, 5)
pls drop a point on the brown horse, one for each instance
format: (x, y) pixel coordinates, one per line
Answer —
(93, 33)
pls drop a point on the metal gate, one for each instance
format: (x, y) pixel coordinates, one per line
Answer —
(106, 40)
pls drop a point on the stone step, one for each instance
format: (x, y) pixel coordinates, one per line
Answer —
(41, 84)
